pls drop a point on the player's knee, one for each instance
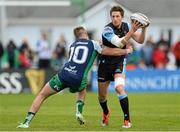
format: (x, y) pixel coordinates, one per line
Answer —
(102, 98)
(119, 75)
(120, 89)
(119, 82)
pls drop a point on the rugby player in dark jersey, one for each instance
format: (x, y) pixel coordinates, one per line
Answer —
(74, 73)
(111, 67)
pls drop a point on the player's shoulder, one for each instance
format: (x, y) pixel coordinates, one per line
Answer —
(124, 25)
(109, 25)
(94, 43)
(85, 43)
(82, 41)
(97, 46)
(108, 29)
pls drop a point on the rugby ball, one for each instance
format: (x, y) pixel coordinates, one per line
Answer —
(143, 19)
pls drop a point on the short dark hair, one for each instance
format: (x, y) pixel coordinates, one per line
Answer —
(78, 31)
(117, 8)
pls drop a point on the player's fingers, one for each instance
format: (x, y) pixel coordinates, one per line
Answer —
(140, 25)
(134, 21)
(137, 25)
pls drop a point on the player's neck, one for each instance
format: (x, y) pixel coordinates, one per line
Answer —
(83, 37)
(118, 26)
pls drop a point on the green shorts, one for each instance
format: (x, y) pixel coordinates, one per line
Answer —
(56, 84)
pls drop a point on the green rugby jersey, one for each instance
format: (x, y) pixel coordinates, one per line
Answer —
(82, 55)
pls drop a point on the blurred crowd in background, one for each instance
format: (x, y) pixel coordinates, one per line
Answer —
(42, 57)
(161, 54)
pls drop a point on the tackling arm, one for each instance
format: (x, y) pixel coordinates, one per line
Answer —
(101, 49)
(116, 51)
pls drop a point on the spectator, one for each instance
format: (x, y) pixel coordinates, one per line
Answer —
(60, 52)
(163, 41)
(12, 54)
(134, 59)
(147, 50)
(1, 52)
(29, 52)
(171, 64)
(159, 57)
(44, 53)
(176, 51)
(23, 58)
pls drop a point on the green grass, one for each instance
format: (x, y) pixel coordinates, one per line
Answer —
(149, 111)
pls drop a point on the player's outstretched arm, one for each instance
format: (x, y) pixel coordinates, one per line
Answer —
(135, 26)
(104, 50)
(140, 36)
(108, 33)
(143, 19)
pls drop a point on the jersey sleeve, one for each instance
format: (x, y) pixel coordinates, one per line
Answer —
(108, 33)
(97, 46)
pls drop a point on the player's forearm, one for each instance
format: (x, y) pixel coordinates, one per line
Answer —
(120, 52)
(140, 37)
(128, 36)
(143, 34)
(121, 42)
(116, 51)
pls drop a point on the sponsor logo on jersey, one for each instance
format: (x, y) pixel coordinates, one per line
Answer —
(103, 61)
(56, 87)
(118, 71)
(100, 78)
(108, 29)
(108, 32)
(71, 69)
(119, 36)
(125, 32)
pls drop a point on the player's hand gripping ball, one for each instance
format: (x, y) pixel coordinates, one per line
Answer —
(143, 19)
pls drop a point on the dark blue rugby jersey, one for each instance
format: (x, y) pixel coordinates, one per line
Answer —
(108, 32)
(82, 55)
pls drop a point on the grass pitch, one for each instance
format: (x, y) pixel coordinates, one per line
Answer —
(149, 112)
